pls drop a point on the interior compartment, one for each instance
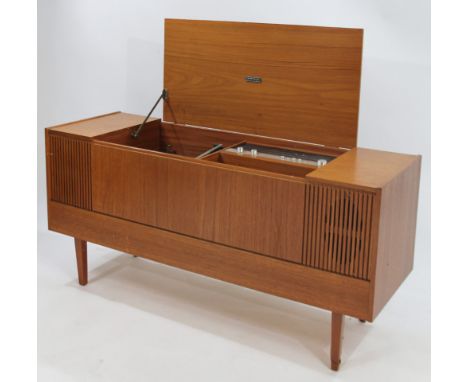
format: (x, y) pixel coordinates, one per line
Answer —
(293, 169)
(192, 141)
(148, 139)
(172, 139)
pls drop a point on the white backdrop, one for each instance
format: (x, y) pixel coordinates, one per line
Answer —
(95, 57)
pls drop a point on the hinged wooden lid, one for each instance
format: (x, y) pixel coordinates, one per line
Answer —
(293, 82)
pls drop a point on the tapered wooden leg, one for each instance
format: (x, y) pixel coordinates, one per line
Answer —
(82, 260)
(336, 338)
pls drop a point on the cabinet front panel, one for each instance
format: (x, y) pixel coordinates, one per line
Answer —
(257, 213)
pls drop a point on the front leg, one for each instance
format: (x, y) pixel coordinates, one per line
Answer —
(82, 260)
(336, 339)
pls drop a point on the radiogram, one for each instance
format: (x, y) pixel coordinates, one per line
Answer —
(252, 176)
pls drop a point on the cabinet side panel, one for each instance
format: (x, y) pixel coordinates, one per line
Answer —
(260, 214)
(69, 166)
(337, 234)
(397, 231)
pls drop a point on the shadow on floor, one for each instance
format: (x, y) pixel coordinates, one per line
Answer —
(287, 329)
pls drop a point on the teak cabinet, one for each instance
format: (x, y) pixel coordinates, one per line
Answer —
(339, 236)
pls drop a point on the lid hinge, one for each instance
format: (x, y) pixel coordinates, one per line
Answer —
(163, 96)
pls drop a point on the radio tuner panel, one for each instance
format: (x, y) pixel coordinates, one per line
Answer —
(280, 154)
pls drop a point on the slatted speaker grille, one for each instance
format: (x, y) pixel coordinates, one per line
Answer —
(337, 235)
(70, 171)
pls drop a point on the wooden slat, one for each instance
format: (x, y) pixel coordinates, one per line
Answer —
(321, 227)
(343, 227)
(355, 233)
(354, 230)
(344, 230)
(362, 235)
(367, 243)
(306, 233)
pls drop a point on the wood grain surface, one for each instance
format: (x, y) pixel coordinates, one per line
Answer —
(149, 137)
(266, 164)
(340, 237)
(310, 79)
(336, 340)
(99, 125)
(396, 231)
(281, 278)
(69, 169)
(364, 168)
(81, 251)
(192, 140)
(338, 229)
(258, 213)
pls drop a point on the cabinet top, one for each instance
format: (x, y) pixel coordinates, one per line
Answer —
(293, 82)
(364, 168)
(102, 124)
